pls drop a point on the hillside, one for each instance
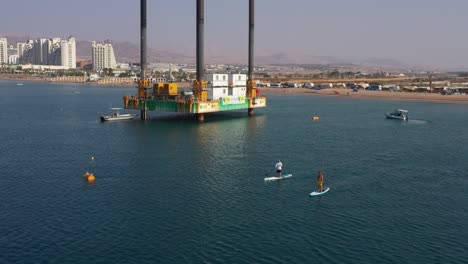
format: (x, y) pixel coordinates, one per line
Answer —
(130, 52)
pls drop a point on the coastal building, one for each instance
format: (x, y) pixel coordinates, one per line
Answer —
(13, 59)
(3, 51)
(55, 54)
(68, 53)
(41, 52)
(12, 55)
(123, 66)
(163, 67)
(48, 52)
(22, 49)
(103, 56)
(41, 68)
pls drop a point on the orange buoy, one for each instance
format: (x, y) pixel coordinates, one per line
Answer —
(91, 178)
(315, 118)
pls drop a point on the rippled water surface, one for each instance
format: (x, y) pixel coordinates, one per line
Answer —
(170, 190)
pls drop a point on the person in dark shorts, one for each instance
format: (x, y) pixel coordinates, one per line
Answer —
(279, 167)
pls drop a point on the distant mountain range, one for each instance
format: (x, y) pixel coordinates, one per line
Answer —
(130, 52)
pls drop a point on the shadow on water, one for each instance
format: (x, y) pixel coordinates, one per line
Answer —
(209, 117)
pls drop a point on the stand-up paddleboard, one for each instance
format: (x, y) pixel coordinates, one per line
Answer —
(278, 178)
(316, 193)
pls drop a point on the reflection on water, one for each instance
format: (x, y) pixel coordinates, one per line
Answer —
(229, 138)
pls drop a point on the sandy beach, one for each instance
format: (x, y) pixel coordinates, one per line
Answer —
(342, 92)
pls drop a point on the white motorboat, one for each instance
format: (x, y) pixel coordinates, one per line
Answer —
(115, 116)
(398, 114)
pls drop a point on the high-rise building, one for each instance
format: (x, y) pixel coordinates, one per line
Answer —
(3, 51)
(21, 48)
(55, 56)
(103, 56)
(13, 59)
(12, 55)
(68, 53)
(25, 52)
(41, 52)
(48, 52)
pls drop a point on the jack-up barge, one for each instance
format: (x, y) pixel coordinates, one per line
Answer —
(210, 92)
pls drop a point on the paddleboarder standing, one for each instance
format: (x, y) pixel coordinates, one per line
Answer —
(320, 181)
(278, 167)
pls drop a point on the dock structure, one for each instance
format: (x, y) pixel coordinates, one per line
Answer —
(210, 92)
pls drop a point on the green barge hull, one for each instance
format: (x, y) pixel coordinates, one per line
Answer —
(193, 107)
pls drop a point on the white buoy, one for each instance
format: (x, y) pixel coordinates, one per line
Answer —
(92, 158)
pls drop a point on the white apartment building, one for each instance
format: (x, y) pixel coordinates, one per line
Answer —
(3, 51)
(13, 59)
(103, 56)
(12, 55)
(68, 53)
(48, 52)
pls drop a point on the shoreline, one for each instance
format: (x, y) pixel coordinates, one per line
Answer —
(366, 94)
(338, 92)
(59, 80)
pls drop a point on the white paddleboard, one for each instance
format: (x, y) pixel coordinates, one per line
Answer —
(278, 178)
(316, 193)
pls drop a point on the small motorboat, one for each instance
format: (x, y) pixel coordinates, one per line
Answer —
(398, 114)
(115, 116)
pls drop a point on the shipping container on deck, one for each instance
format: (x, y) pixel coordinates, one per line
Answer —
(236, 80)
(217, 80)
(219, 92)
(216, 93)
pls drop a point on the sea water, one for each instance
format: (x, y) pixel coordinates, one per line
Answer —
(172, 190)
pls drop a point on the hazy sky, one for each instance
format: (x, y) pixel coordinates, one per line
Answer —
(432, 33)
